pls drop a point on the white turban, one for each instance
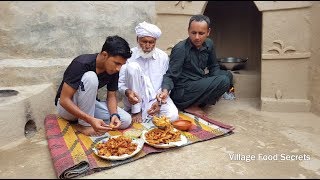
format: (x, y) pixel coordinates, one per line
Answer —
(146, 29)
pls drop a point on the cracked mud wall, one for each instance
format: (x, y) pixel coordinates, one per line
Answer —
(39, 39)
(314, 69)
(65, 29)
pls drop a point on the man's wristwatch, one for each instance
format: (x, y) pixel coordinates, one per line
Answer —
(114, 114)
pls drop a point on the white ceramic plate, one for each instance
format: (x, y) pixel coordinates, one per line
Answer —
(183, 141)
(139, 142)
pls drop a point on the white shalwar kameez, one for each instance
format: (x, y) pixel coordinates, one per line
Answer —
(144, 76)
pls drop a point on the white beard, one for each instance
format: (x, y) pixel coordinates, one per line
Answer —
(146, 55)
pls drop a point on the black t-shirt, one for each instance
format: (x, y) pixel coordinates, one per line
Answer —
(82, 64)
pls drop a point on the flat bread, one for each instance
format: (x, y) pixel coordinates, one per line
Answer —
(135, 133)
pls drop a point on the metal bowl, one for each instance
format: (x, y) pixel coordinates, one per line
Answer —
(232, 63)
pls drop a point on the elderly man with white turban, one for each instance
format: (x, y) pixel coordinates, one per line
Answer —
(141, 77)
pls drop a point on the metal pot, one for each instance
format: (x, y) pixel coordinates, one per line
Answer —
(232, 63)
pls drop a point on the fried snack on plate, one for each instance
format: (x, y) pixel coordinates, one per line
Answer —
(161, 122)
(164, 133)
(116, 147)
(160, 136)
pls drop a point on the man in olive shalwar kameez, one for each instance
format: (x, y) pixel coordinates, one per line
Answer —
(191, 88)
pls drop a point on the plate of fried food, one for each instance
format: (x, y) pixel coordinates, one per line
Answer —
(160, 138)
(117, 147)
(164, 135)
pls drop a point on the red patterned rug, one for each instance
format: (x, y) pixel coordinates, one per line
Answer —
(72, 154)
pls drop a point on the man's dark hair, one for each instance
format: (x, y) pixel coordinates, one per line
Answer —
(117, 46)
(199, 18)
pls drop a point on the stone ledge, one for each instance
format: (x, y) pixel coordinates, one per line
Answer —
(285, 105)
(21, 72)
(281, 5)
(293, 56)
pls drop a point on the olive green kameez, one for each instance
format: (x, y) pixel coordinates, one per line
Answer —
(186, 77)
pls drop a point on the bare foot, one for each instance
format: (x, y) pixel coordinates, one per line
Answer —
(87, 130)
(137, 117)
(196, 110)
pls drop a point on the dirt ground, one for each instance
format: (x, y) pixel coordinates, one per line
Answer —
(264, 145)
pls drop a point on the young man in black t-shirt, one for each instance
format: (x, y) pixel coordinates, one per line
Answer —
(76, 96)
